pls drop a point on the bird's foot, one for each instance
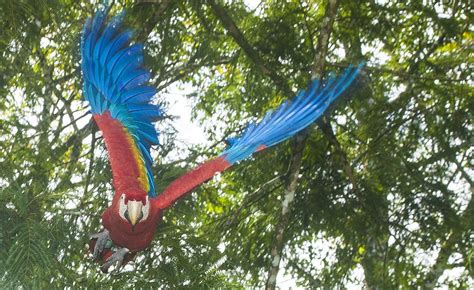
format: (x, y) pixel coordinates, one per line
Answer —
(116, 259)
(103, 242)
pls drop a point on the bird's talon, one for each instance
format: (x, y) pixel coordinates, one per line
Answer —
(103, 240)
(116, 259)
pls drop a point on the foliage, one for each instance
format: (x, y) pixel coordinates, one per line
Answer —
(406, 131)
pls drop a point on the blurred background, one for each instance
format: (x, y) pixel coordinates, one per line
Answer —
(384, 190)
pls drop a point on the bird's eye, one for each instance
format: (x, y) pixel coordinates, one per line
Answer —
(122, 207)
(145, 209)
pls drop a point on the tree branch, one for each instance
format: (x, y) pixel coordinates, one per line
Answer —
(317, 72)
(183, 71)
(449, 246)
(158, 9)
(300, 143)
(91, 161)
(238, 36)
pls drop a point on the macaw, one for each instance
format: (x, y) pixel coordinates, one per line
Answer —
(116, 86)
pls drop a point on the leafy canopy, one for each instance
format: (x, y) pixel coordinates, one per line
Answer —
(406, 131)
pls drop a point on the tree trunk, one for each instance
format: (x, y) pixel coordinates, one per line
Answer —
(288, 195)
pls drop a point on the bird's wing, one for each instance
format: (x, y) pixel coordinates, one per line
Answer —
(287, 120)
(115, 85)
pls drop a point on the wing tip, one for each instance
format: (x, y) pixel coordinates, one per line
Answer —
(287, 120)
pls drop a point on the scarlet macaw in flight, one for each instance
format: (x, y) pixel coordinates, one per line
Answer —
(116, 87)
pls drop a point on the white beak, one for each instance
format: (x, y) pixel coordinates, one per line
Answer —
(134, 211)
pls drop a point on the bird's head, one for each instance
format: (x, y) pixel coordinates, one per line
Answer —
(131, 220)
(134, 210)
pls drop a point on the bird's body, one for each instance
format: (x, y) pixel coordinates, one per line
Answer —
(116, 87)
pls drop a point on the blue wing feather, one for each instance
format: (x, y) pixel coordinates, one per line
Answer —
(115, 81)
(290, 117)
(133, 79)
(130, 60)
(138, 93)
